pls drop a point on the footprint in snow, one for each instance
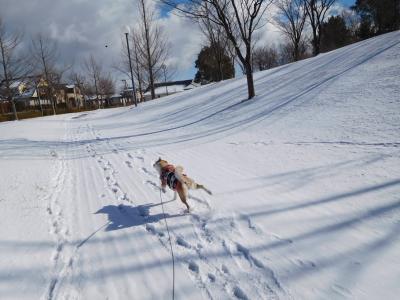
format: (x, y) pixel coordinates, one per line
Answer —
(224, 269)
(193, 267)
(152, 229)
(181, 242)
(239, 293)
(144, 170)
(211, 277)
(246, 253)
(153, 184)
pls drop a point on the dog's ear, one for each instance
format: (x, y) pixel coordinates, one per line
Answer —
(159, 159)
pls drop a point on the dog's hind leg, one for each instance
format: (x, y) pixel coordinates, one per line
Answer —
(200, 186)
(183, 195)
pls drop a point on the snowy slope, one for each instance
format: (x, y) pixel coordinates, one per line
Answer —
(306, 183)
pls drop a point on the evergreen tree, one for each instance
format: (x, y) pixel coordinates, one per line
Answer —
(335, 34)
(213, 64)
(377, 16)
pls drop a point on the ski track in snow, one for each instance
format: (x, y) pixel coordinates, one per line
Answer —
(305, 178)
(201, 269)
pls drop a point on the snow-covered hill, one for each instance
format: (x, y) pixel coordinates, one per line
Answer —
(306, 183)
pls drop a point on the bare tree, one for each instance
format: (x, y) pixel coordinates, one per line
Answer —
(93, 70)
(316, 11)
(79, 80)
(138, 69)
(265, 58)
(152, 46)
(239, 20)
(106, 86)
(14, 66)
(291, 20)
(45, 55)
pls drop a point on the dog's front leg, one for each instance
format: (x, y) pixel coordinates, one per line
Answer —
(163, 187)
(175, 195)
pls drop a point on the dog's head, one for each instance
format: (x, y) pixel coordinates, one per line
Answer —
(159, 164)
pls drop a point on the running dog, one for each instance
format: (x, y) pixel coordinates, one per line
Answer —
(176, 180)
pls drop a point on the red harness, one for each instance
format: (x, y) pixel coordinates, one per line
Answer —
(168, 177)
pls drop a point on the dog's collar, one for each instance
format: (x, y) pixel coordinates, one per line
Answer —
(168, 168)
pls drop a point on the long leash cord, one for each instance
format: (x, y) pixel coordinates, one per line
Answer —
(172, 251)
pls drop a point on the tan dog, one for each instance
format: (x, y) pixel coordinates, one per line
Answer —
(176, 180)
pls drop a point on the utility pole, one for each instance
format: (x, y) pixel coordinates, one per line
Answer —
(130, 68)
(164, 67)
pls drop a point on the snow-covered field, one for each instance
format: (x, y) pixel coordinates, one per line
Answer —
(306, 183)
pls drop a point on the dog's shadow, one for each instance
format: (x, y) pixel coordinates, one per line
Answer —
(125, 216)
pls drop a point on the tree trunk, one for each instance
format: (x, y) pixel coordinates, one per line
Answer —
(14, 109)
(250, 81)
(296, 52)
(315, 42)
(8, 88)
(54, 106)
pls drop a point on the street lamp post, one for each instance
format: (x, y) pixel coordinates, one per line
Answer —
(130, 68)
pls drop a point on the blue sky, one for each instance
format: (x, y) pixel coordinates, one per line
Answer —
(348, 2)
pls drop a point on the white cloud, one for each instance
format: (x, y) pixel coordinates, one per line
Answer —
(84, 27)
(185, 40)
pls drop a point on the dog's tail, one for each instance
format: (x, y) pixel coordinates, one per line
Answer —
(200, 186)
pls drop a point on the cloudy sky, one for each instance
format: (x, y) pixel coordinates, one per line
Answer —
(84, 27)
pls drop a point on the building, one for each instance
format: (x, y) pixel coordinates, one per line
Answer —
(73, 95)
(32, 93)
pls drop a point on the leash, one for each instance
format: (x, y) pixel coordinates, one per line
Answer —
(172, 251)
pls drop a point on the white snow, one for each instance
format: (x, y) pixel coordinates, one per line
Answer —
(305, 180)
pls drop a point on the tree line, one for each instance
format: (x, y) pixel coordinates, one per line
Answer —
(232, 33)
(40, 63)
(308, 27)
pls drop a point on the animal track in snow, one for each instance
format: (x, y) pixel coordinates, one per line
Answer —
(181, 242)
(211, 277)
(246, 253)
(144, 170)
(152, 229)
(238, 293)
(250, 224)
(224, 269)
(193, 267)
(153, 184)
